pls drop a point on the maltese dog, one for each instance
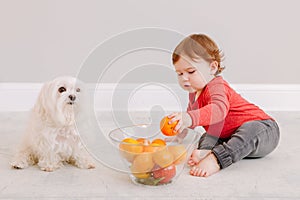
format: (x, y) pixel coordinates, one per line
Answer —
(51, 137)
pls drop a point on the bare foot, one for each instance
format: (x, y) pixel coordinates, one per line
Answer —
(206, 167)
(197, 156)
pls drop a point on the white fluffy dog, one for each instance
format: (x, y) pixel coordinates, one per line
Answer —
(51, 137)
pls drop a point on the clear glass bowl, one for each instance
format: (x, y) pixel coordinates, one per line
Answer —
(152, 164)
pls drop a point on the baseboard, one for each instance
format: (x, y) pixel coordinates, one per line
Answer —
(270, 97)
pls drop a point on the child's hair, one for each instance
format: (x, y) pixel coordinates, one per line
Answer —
(199, 46)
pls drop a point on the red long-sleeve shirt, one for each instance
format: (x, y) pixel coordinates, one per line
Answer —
(221, 110)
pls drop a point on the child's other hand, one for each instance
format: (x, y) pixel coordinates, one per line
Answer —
(183, 118)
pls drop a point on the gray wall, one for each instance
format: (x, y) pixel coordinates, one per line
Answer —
(43, 39)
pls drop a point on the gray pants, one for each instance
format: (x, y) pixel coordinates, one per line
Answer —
(253, 139)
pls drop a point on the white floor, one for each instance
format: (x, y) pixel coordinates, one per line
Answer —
(276, 176)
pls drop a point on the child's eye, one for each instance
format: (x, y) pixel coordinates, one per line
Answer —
(179, 74)
(191, 72)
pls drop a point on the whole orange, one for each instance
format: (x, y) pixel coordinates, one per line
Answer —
(155, 145)
(158, 142)
(143, 141)
(152, 148)
(131, 145)
(129, 148)
(166, 128)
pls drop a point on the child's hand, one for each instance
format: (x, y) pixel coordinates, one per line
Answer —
(183, 118)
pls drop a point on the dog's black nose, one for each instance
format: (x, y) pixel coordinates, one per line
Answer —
(72, 97)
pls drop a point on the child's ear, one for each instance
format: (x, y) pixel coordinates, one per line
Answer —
(213, 67)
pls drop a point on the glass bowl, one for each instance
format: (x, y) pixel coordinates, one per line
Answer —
(150, 157)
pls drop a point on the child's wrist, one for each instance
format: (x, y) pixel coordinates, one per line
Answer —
(187, 120)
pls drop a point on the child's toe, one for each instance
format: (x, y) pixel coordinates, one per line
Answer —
(199, 172)
(192, 171)
(191, 163)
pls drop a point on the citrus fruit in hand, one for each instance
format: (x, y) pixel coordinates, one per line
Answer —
(166, 128)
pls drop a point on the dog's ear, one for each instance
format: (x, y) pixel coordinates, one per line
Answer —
(40, 106)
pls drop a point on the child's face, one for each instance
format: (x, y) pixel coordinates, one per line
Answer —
(193, 76)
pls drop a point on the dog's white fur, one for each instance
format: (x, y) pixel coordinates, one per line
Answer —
(51, 137)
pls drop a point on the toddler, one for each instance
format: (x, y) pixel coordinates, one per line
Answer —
(235, 128)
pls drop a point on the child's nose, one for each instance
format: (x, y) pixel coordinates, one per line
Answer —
(184, 77)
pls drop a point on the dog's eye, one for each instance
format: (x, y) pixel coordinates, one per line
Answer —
(61, 89)
(78, 90)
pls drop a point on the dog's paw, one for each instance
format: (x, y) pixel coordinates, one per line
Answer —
(47, 169)
(91, 166)
(50, 168)
(19, 164)
(85, 165)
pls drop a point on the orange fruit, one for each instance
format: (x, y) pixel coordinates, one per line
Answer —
(166, 128)
(179, 153)
(158, 142)
(129, 148)
(163, 158)
(152, 147)
(131, 145)
(148, 146)
(142, 175)
(155, 145)
(143, 141)
(142, 163)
